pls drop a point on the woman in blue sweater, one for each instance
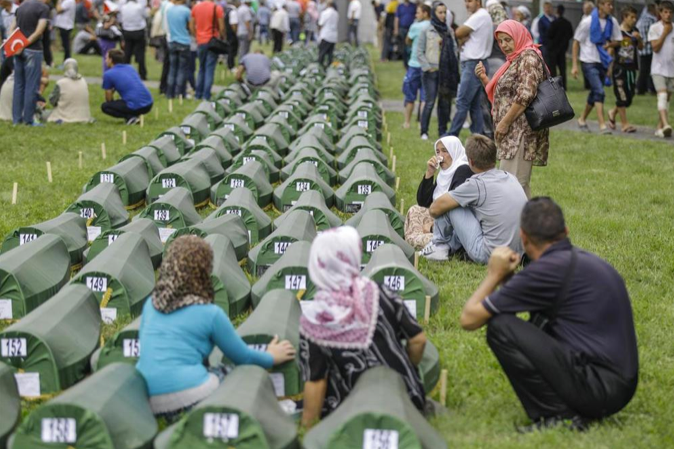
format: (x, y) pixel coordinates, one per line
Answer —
(181, 325)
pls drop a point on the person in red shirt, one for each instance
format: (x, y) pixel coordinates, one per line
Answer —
(208, 21)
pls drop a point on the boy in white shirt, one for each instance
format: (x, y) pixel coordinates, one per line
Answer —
(354, 17)
(327, 22)
(662, 68)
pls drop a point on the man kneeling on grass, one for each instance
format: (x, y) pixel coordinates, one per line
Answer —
(136, 98)
(576, 359)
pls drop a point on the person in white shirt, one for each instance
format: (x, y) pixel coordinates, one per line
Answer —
(476, 38)
(280, 26)
(134, 21)
(65, 22)
(354, 17)
(8, 12)
(327, 22)
(662, 67)
(595, 58)
(244, 29)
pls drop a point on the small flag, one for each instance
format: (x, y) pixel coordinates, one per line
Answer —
(109, 7)
(16, 41)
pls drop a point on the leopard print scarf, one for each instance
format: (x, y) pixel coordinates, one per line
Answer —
(184, 275)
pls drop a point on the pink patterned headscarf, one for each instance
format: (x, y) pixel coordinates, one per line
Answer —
(343, 314)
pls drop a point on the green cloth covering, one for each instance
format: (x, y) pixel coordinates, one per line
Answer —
(102, 207)
(131, 178)
(182, 143)
(288, 130)
(379, 201)
(190, 174)
(239, 127)
(126, 268)
(219, 146)
(263, 157)
(69, 226)
(389, 265)
(228, 225)
(149, 155)
(231, 140)
(235, 97)
(296, 227)
(368, 124)
(208, 110)
(253, 114)
(327, 112)
(195, 127)
(211, 163)
(60, 336)
(174, 210)
(275, 132)
(241, 202)
(248, 393)
(363, 181)
(429, 368)
(143, 226)
(368, 156)
(306, 177)
(375, 230)
(10, 412)
(169, 148)
(264, 143)
(33, 273)
(123, 347)
(356, 146)
(310, 155)
(313, 202)
(250, 176)
(228, 278)
(310, 142)
(379, 401)
(320, 137)
(289, 114)
(267, 98)
(318, 122)
(223, 107)
(110, 408)
(350, 133)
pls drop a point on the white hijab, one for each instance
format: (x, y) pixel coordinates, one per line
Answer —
(458, 154)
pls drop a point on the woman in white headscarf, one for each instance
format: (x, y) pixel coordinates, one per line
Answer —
(351, 325)
(70, 97)
(451, 165)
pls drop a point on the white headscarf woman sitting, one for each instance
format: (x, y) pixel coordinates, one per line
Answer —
(70, 97)
(451, 165)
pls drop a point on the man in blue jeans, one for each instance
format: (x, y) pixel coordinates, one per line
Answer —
(207, 22)
(178, 19)
(31, 19)
(476, 35)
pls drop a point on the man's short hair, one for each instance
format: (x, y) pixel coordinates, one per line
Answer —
(547, 3)
(601, 2)
(481, 151)
(116, 56)
(560, 10)
(542, 220)
(667, 5)
(425, 9)
(626, 11)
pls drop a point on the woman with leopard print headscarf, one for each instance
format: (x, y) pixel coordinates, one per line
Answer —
(179, 327)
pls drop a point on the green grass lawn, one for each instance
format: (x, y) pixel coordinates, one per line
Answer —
(617, 198)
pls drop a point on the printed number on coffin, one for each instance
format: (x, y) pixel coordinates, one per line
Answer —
(186, 130)
(247, 159)
(364, 189)
(168, 183)
(25, 238)
(87, 212)
(224, 426)
(380, 439)
(302, 186)
(296, 282)
(107, 177)
(362, 123)
(362, 114)
(236, 183)
(59, 430)
(234, 212)
(395, 283)
(112, 238)
(281, 247)
(162, 215)
(97, 284)
(131, 347)
(258, 347)
(372, 245)
(14, 347)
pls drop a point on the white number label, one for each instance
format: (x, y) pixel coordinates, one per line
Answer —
(14, 347)
(165, 233)
(364, 90)
(25, 238)
(230, 127)
(235, 183)
(362, 114)
(264, 138)
(247, 159)
(107, 177)
(97, 284)
(279, 383)
(224, 426)
(329, 94)
(258, 347)
(395, 283)
(319, 125)
(108, 315)
(6, 309)
(59, 430)
(380, 439)
(296, 282)
(362, 123)
(297, 93)
(364, 189)
(241, 115)
(93, 232)
(281, 247)
(131, 347)
(87, 212)
(213, 104)
(112, 238)
(284, 114)
(168, 183)
(302, 186)
(411, 305)
(162, 215)
(372, 245)
(186, 130)
(234, 212)
(28, 384)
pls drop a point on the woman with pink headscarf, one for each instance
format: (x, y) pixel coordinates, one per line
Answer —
(353, 324)
(511, 90)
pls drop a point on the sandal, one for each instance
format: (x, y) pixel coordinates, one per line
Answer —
(584, 128)
(630, 130)
(611, 120)
(605, 132)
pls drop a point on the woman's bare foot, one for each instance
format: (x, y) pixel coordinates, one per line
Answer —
(406, 126)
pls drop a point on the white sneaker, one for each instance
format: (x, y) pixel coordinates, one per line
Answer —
(424, 137)
(660, 133)
(435, 253)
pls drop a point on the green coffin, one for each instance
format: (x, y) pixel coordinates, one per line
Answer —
(363, 181)
(285, 112)
(109, 410)
(274, 132)
(10, 412)
(169, 148)
(310, 143)
(230, 226)
(182, 143)
(287, 129)
(241, 202)
(208, 110)
(53, 343)
(121, 277)
(103, 209)
(252, 114)
(149, 155)
(232, 97)
(299, 226)
(312, 156)
(229, 280)
(317, 122)
(143, 226)
(131, 178)
(350, 133)
(31, 274)
(243, 413)
(305, 178)
(195, 127)
(368, 156)
(357, 145)
(223, 107)
(319, 135)
(69, 226)
(250, 154)
(231, 140)
(174, 210)
(378, 411)
(314, 203)
(239, 127)
(429, 368)
(389, 266)
(211, 163)
(218, 145)
(375, 230)
(379, 201)
(289, 273)
(267, 145)
(123, 347)
(252, 177)
(190, 174)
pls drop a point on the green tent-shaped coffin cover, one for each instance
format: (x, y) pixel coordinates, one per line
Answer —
(363, 181)
(10, 412)
(312, 156)
(251, 154)
(55, 340)
(143, 226)
(31, 274)
(356, 145)
(379, 201)
(167, 149)
(211, 163)
(228, 225)
(131, 178)
(314, 203)
(123, 347)
(182, 143)
(251, 176)
(368, 156)
(174, 210)
(375, 230)
(242, 203)
(228, 278)
(102, 207)
(108, 410)
(151, 157)
(231, 140)
(218, 145)
(305, 178)
(429, 368)
(190, 174)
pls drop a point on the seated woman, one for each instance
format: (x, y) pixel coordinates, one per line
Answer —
(352, 325)
(6, 98)
(180, 326)
(70, 97)
(451, 163)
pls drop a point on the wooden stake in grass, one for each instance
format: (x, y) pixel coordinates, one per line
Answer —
(142, 120)
(402, 206)
(416, 260)
(222, 75)
(103, 150)
(170, 105)
(180, 99)
(49, 177)
(156, 113)
(388, 139)
(393, 165)
(443, 387)
(427, 310)
(397, 183)
(15, 191)
(124, 137)
(80, 161)
(390, 153)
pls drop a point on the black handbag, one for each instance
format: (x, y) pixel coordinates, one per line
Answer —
(551, 106)
(217, 45)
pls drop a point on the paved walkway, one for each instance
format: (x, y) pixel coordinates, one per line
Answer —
(99, 81)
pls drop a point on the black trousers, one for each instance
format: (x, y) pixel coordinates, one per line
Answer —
(135, 45)
(549, 379)
(233, 50)
(164, 66)
(65, 41)
(89, 47)
(557, 65)
(645, 82)
(325, 50)
(119, 109)
(277, 37)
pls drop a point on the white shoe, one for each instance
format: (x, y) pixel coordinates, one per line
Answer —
(424, 137)
(435, 253)
(667, 131)
(660, 133)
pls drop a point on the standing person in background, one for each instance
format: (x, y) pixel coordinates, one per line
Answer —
(353, 15)
(7, 14)
(133, 16)
(109, 34)
(559, 35)
(310, 22)
(662, 68)
(412, 85)
(294, 12)
(496, 60)
(208, 21)
(65, 22)
(523, 16)
(389, 30)
(178, 21)
(588, 6)
(280, 26)
(543, 26)
(476, 38)
(231, 24)
(159, 40)
(328, 23)
(244, 30)
(123, 79)
(646, 19)
(263, 17)
(31, 19)
(403, 21)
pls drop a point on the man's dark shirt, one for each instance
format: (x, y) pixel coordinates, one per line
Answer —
(559, 35)
(27, 17)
